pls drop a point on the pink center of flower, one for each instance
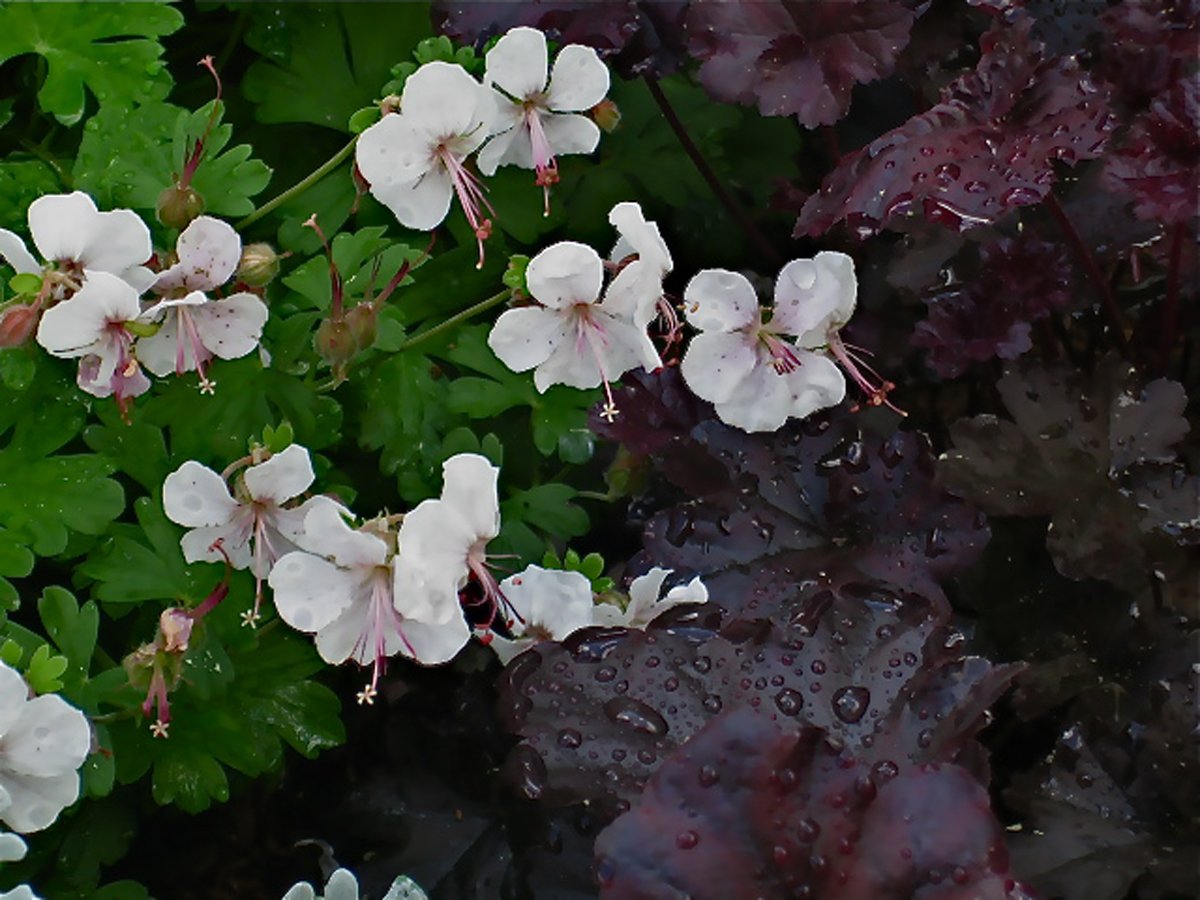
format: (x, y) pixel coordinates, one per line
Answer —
(783, 354)
(470, 195)
(382, 620)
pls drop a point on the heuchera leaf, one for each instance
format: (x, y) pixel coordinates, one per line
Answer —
(986, 148)
(634, 38)
(800, 59)
(82, 46)
(1020, 281)
(748, 809)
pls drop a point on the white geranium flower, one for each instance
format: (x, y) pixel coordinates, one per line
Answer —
(537, 118)
(544, 605)
(43, 742)
(194, 327)
(443, 544)
(342, 885)
(646, 263)
(343, 591)
(572, 337)
(73, 235)
(645, 604)
(414, 159)
(252, 531)
(756, 378)
(93, 325)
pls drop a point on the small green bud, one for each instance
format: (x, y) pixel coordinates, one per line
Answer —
(259, 265)
(178, 206)
(607, 115)
(363, 322)
(514, 275)
(335, 343)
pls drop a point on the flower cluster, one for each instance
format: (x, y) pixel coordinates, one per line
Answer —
(87, 304)
(415, 159)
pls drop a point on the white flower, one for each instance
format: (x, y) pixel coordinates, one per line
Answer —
(252, 531)
(754, 376)
(443, 543)
(644, 602)
(414, 159)
(342, 885)
(343, 591)
(639, 283)
(195, 328)
(545, 605)
(537, 117)
(43, 742)
(571, 338)
(69, 231)
(91, 325)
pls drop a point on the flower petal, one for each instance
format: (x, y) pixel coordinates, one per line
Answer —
(62, 225)
(644, 592)
(301, 890)
(717, 362)
(524, 338)
(209, 251)
(817, 384)
(720, 300)
(506, 651)
(579, 80)
(119, 241)
(813, 296)
(628, 346)
(342, 885)
(231, 328)
(634, 292)
(198, 544)
(570, 133)
(469, 487)
(567, 366)
(50, 738)
(285, 475)
(431, 562)
(564, 274)
(761, 402)
(557, 602)
(14, 693)
(289, 527)
(391, 152)
(36, 802)
(158, 351)
(518, 63)
(311, 592)
(508, 148)
(76, 326)
(12, 849)
(432, 645)
(195, 495)
(17, 255)
(638, 236)
(326, 533)
(421, 204)
(442, 101)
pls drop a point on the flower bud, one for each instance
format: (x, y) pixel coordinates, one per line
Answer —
(390, 104)
(335, 343)
(259, 265)
(364, 325)
(607, 115)
(178, 206)
(17, 324)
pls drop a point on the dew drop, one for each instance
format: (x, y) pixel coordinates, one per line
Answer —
(636, 715)
(850, 703)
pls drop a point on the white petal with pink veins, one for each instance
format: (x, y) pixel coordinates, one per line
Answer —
(525, 337)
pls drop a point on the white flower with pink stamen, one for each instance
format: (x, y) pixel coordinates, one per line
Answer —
(645, 261)
(414, 160)
(443, 545)
(646, 602)
(195, 328)
(342, 589)
(543, 605)
(755, 376)
(96, 325)
(538, 117)
(250, 528)
(573, 337)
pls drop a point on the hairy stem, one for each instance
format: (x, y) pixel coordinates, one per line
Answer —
(300, 186)
(469, 312)
(1108, 300)
(710, 177)
(1169, 326)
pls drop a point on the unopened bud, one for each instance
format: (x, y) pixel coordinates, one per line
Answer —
(364, 325)
(17, 324)
(175, 626)
(390, 104)
(178, 206)
(607, 115)
(259, 265)
(335, 343)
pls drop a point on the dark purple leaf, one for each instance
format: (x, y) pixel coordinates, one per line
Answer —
(1148, 45)
(987, 148)
(990, 315)
(752, 810)
(796, 58)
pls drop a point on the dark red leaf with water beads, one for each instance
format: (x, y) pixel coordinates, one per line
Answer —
(990, 315)
(750, 809)
(1158, 163)
(988, 147)
(635, 38)
(1149, 44)
(800, 59)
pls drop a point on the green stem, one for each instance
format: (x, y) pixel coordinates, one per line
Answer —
(595, 495)
(469, 312)
(300, 186)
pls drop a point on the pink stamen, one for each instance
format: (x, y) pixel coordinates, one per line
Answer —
(543, 155)
(186, 334)
(855, 366)
(470, 196)
(383, 618)
(783, 354)
(589, 332)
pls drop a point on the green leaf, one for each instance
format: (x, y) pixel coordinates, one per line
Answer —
(98, 835)
(44, 670)
(322, 63)
(79, 42)
(127, 157)
(547, 508)
(188, 777)
(138, 449)
(72, 628)
(17, 368)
